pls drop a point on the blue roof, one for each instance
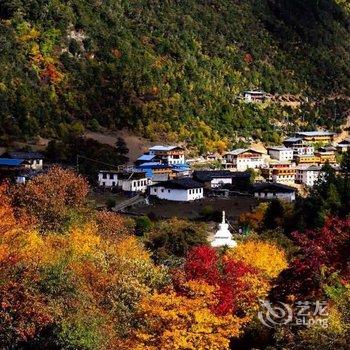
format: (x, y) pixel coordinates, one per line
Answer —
(25, 155)
(10, 162)
(181, 166)
(147, 157)
(153, 165)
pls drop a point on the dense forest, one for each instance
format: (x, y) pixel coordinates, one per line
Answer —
(172, 70)
(72, 277)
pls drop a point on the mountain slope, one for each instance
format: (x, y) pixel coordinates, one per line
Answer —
(171, 69)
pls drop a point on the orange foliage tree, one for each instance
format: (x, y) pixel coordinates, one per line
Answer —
(52, 197)
(113, 225)
(76, 288)
(255, 219)
(7, 216)
(176, 321)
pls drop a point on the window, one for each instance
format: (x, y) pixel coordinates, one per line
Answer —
(113, 183)
(111, 176)
(104, 176)
(138, 183)
(168, 191)
(155, 190)
(162, 190)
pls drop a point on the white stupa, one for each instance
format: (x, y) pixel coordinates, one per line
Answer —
(223, 236)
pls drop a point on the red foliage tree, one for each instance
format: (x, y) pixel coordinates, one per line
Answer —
(231, 276)
(322, 252)
(202, 263)
(23, 311)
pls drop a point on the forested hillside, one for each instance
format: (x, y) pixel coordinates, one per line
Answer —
(171, 69)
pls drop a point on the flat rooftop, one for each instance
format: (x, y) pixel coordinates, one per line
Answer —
(315, 133)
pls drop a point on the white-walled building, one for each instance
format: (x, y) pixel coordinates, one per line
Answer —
(270, 191)
(132, 182)
(168, 154)
(303, 150)
(179, 190)
(308, 175)
(316, 136)
(34, 159)
(107, 178)
(243, 159)
(344, 145)
(219, 178)
(254, 96)
(281, 172)
(299, 146)
(280, 153)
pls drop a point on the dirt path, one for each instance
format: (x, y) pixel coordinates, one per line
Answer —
(345, 132)
(136, 145)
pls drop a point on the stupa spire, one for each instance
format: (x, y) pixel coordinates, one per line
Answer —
(223, 235)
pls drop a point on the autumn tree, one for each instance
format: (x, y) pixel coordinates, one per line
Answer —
(7, 215)
(321, 252)
(240, 284)
(185, 321)
(75, 290)
(52, 197)
(265, 256)
(113, 225)
(254, 220)
(170, 240)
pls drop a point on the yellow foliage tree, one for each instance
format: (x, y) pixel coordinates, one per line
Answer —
(184, 321)
(265, 256)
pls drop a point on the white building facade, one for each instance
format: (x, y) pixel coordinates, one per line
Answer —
(169, 154)
(282, 154)
(304, 150)
(107, 178)
(308, 176)
(243, 159)
(179, 190)
(269, 191)
(133, 182)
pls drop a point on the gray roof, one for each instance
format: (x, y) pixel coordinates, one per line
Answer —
(315, 133)
(184, 183)
(208, 175)
(253, 92)
(272, 187)
(239, 151)
(160, 177)
(163, 148)
(293, 139)
(313, 168)
(132, 175)
(279, 148)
